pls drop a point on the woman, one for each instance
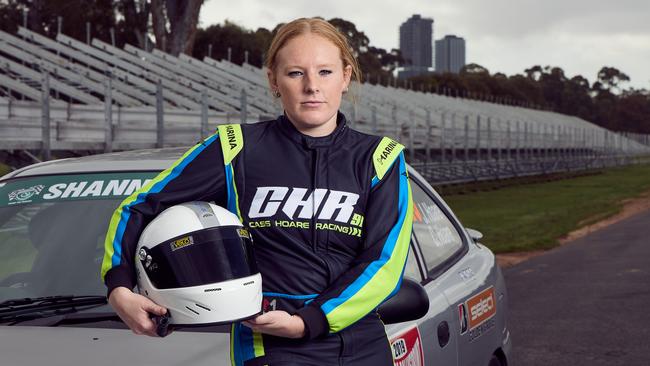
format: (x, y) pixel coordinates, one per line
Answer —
(329, 208)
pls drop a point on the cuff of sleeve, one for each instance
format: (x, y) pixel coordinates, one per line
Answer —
(316, 323)
(118, 277)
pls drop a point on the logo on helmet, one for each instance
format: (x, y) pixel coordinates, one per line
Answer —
(181, 243)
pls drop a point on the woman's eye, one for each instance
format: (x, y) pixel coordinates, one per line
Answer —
(294, 73)
(325, 72)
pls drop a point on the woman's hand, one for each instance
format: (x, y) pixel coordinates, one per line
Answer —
(134, 310)
(278, 323)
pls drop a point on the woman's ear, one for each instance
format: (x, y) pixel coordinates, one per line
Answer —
(347, 75)
(273, 84)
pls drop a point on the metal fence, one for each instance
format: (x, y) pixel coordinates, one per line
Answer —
(63, 94)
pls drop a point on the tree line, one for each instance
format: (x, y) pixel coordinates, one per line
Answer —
(172, 26)
(605, 102)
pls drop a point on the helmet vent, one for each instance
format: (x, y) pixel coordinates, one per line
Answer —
(203, 307)
(192, 310)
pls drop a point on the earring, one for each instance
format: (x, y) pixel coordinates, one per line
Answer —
(345, 90)
(276, 93)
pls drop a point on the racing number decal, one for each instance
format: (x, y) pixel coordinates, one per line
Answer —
(407, 348)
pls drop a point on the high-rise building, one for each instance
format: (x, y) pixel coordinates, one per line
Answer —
(450, 54)
(416, 45)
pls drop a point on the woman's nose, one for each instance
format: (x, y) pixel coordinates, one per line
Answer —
(311, 83)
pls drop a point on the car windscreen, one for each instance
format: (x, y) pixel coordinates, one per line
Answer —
(52, 231)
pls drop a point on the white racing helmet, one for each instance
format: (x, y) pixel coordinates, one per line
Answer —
(196, 259)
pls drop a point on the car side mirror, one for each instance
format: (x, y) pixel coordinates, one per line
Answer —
(474, 234)
(409, 303)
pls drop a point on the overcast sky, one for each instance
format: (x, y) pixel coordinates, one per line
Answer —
(505, 36)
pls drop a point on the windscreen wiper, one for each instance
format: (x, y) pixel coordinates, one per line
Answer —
(38, 307)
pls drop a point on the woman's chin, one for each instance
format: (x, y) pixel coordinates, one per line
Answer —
(312, 119)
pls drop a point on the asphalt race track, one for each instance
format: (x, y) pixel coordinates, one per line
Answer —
(585, 303)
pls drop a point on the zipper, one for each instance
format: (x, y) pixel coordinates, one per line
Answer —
(314, 233)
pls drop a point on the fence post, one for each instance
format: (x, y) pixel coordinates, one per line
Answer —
(411, 137)
(375, 130)
(442, 136)
(45, 116)
(452, 138)
(508, 142)
(466, 139)
(394, 116)
(499, 144)
(243, 110)
(160, 121)
(204, 114)
(489, 138)
(427, 141)
(534, 132)
(518, 142)
(478, 138)
(526, 142)
(547, 142)
(108, 113)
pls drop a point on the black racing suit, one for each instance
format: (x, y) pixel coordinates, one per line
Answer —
(331, 221)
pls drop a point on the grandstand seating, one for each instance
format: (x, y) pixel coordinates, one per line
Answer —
(97, 90)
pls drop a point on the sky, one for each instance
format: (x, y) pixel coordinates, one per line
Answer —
(508, 36)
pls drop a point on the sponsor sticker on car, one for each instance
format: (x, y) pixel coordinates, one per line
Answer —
(476, 314)
(407, 348)
(72, 187)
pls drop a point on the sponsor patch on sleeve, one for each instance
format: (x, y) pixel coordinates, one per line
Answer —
(385, 154)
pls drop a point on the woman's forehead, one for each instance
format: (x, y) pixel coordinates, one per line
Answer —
(309, 49)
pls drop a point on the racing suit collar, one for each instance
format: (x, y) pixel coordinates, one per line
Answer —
(311, 142)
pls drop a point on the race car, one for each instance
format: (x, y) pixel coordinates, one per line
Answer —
(53, 310)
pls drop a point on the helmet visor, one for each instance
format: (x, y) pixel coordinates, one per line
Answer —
(199, 258)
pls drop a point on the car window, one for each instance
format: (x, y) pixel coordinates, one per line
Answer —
(434, 231)
(52, 231)
(412, 270)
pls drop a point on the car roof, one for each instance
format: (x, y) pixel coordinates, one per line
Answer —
(133, 160)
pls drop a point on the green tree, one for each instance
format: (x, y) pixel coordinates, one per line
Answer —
(238, 39)
(609, 78)
(134, 28)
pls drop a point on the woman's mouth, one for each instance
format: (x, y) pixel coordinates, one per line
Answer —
(312, 104)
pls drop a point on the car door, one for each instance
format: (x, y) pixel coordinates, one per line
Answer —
(435, 247)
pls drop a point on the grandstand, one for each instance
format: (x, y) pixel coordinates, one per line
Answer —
(63, 94)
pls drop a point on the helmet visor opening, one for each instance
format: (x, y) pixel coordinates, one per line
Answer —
(200, 258)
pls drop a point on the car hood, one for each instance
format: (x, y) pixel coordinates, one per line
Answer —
(33, 346)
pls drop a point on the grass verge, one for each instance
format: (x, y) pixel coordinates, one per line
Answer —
(535, 216)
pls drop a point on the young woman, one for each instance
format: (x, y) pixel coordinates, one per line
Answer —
(329, 208)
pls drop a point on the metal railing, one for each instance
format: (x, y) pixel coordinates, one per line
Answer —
(63, 94)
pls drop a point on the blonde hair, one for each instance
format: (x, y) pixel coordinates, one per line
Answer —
(319, 27)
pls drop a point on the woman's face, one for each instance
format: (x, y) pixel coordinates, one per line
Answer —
(310, 77)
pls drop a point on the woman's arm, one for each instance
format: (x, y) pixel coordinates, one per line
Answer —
(377, 272)
(197, 175)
